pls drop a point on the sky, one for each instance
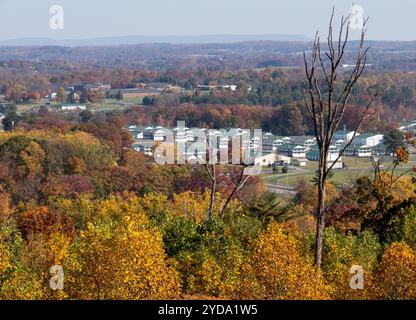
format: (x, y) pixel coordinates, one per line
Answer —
(389, 20)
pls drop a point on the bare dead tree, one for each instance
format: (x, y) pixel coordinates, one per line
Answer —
(242, 179)
(210, 168)
(238, 186)
(378, 168)
(212, 173)
(243, 176)
(326, 99)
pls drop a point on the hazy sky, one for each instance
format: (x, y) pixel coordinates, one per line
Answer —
(389, 20)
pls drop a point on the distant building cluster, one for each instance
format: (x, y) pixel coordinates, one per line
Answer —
(148, 137)
(280, 150)
(133, 90)
(141, 90)
(73, 107)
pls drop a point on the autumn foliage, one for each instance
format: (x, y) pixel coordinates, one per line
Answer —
(124, 228)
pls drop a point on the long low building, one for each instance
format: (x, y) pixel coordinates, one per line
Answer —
(133, 93)
(291, 150)
(369, 139)
(333, 156)
(271, 159)
(357, 150)
(72, 107)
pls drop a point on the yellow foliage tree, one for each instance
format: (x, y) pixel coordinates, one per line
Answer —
(5, 205)
(191, 205)
(194, 206)
(31, 159)
(396, 274)
(213, 276)
(341, 252)
(277, 270)
(5, 259)
(120, 259)
(17, 282)
(307, 195)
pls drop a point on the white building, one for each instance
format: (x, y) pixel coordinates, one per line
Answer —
(266, 160)
(223, 144)
(282, 160)
(147, 150)
(369, 139)
(291, 150)
(287, 140)
(190, 136)
(180, 135)
(52, 96)
(298, 152)
(333, 153)
(73, 107)
(357, 150)
(345, 135)
(309, 143)
(276, 144)
(300, 162)
(364, 151)
(339, 143)
(404, 126)
(232, 87)
(159, 135)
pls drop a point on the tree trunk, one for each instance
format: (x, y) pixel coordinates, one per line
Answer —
(320, 218)
(212, 201)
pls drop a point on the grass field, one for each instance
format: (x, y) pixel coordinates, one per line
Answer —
(107, 104)
(26, 107)
(133, 100)
(357, 167)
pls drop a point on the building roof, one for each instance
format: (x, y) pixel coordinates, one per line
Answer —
(368, 135)
(289, 147)
(70, 104)
(269, 138)
(356, 146)
(343, 132)
(301, 139)
(407, 123)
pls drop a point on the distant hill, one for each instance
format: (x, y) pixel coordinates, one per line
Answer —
(131, 40)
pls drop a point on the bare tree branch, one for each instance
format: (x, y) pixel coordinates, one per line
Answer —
(327, 110)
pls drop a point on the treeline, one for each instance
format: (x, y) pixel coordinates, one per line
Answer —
(268, 88)
(289, 120)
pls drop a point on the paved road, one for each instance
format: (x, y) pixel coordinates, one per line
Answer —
(281, 189)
